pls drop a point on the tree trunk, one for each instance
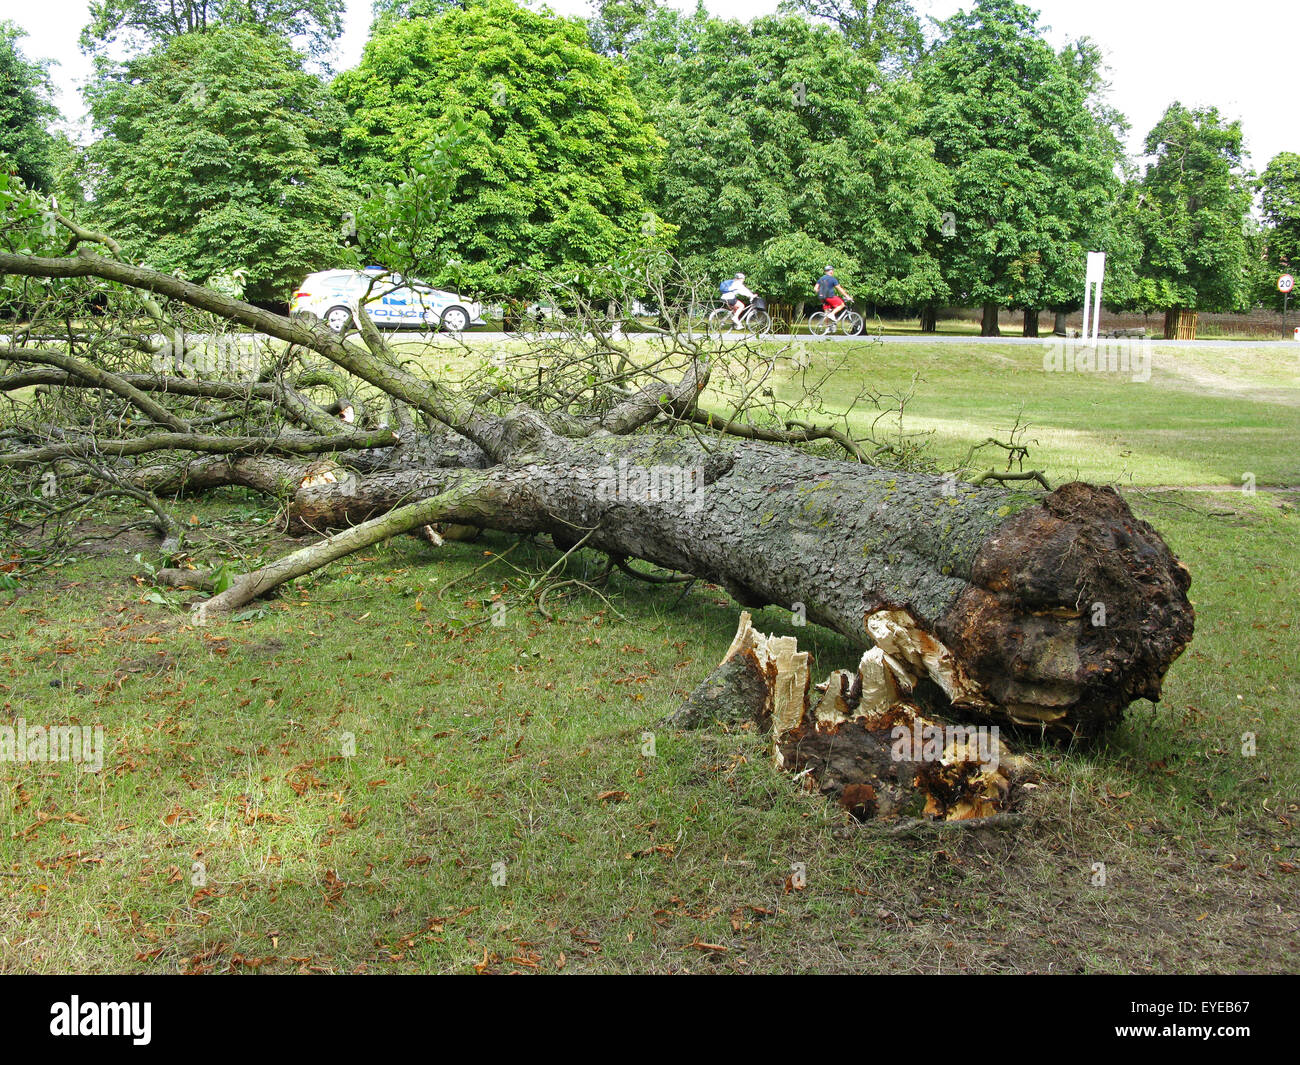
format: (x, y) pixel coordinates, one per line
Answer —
(989, 321)
(1053, 611)
(929, 319)
(1031, 323)
(1058, 324)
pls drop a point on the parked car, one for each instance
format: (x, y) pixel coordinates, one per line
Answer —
(390, 300)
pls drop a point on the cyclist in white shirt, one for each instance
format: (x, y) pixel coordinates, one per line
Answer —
(732, 291)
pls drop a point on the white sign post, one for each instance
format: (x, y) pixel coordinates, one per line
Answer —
(1096, 271)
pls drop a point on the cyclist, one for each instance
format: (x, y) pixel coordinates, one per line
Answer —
(731, 291)
(828, 290)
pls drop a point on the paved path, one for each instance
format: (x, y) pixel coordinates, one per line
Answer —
(917, 338)
(474, 337)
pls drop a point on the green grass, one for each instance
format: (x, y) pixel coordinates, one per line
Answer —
(484, 745)
(1206, 416)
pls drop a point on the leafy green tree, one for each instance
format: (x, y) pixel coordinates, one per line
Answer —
(779, 129)
(69, 177)
(217, 153)
(616, 25)
(25, 112)
(1032, 162)
(557, 151)
(886, 32)
(1279, 189)
(1193, 201)
(399, 223)
(389, 11)
(137, 25)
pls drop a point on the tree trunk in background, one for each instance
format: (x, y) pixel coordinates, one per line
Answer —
(929, 319)
(989, 323)
(1058, 324)
(1031, 323)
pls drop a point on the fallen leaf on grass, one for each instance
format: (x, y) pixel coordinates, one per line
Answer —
(716, 948)
(661, 848)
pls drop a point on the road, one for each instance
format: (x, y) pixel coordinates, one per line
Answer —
(475, 337)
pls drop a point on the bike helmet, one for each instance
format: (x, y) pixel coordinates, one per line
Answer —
(740, 277)
(829, 270)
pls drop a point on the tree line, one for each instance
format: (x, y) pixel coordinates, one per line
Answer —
(968, 163)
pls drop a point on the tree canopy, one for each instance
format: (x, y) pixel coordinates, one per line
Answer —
(25, 111)
(557, 153)
(217, 153)
(137, 25)
(1033, 164)
(1279, 201)
(778, 131)
(1193, 200)
(962, 162)
(886, 32)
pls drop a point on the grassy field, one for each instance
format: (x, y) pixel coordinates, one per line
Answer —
(357, 777)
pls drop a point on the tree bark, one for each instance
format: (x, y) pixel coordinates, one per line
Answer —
(1058, 324)
(997, 588)
(989, 321)
(1031, 323)
(929, 319)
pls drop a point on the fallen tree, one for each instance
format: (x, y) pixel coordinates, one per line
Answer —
(1052, 610)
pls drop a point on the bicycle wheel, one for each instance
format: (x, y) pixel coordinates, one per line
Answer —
(758, 322)
(819, 324)
(719, 321)
(851, 323)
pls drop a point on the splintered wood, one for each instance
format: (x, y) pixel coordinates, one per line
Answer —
(859, 738)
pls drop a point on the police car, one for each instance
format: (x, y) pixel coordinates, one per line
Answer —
(390, 300)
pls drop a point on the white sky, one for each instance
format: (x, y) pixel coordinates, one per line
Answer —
(1241, 57)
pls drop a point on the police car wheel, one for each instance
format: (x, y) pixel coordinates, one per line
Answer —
(338, 318)
(455, 319)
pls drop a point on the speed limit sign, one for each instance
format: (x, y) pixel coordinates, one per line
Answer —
(1285, 283)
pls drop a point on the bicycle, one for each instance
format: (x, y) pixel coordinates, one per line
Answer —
(842, 318)
(754, 319)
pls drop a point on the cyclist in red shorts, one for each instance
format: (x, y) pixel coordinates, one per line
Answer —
(828, 290)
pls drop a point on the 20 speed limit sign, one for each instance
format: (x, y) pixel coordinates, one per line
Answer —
(1285, 283)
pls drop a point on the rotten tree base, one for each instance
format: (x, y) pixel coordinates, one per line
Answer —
(859, 738)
